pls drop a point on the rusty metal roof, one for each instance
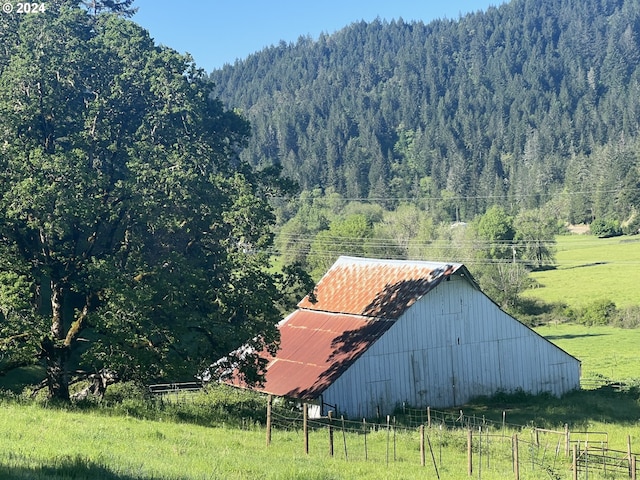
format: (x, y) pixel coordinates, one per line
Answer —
(376, 288)
(352, 306)
(315, 349)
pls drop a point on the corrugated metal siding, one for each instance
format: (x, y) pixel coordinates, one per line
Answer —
(451, 346)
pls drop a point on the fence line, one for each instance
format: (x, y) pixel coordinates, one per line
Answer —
(487, 444)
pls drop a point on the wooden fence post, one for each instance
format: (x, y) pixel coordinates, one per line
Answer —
(269, 405)
(574, 465)
(469, 452)
(567, 440)
(429, 417)
(633, 468)
(422, 449)
(305, 427)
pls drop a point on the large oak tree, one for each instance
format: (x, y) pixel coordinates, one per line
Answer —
(131, 236)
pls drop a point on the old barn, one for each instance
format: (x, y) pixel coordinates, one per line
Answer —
(377, 333)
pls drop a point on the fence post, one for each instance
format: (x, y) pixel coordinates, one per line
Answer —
(364, 427)
(633, 468)
(567, 442)
(388, 433)
(429, 417)
(433, 458)
(344, 438)
(269, 405)
(422, 449)
(575, 462)
(469, 452)
(305, 426)
(629, 452)
(504, 420)
(394, 440)
(479, 452)
(516, 459)
(330, 415)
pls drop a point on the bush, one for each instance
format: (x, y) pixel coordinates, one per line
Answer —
(600, 312)
(605, 228)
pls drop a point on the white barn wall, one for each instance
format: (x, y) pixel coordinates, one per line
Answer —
(450, 346)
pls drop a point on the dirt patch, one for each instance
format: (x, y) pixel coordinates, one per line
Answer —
(579, 229)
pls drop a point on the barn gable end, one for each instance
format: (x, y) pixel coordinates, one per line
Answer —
(377, 333)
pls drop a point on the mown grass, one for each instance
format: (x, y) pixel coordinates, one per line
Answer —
(589, 269)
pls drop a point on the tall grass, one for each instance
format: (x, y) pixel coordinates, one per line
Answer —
(40, 443)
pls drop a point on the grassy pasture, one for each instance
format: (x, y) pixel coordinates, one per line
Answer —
(589, 269)
(46, 443)
(38, 443)
(605, 352)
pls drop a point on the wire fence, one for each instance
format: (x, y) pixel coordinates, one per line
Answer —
(445, 441)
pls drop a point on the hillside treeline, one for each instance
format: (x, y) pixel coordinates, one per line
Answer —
(518, 106)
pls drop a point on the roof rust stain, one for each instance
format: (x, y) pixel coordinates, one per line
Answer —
(375, 288)
(315, 349)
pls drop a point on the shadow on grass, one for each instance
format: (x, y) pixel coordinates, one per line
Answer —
(607, 404)
(594, 264)
(77, 468)
(571, 336)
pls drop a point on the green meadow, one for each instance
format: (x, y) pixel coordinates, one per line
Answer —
(220, 434)
(590, 269)
(606, 353)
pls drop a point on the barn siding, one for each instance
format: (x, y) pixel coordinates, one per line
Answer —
(450, 346)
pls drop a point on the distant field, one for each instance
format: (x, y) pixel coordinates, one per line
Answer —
(591, 268)
(605, 352)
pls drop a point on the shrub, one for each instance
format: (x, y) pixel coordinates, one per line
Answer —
(600, 312)
(605, 228)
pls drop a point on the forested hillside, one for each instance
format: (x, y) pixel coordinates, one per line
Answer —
(533, 102)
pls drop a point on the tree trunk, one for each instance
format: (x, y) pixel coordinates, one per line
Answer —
(55, 356)
(55, 352)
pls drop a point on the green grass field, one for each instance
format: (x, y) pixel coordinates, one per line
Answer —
(589, 269)
(39, 442)
(605, 352)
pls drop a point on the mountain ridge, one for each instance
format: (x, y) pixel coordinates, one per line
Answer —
(512, 105)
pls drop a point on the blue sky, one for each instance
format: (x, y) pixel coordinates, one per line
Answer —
(216, 32)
